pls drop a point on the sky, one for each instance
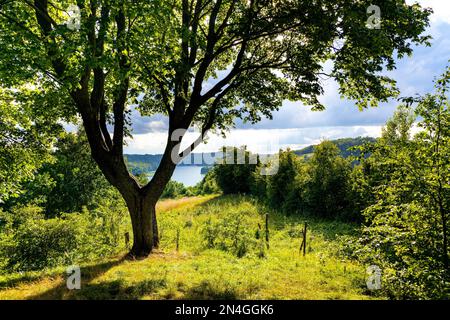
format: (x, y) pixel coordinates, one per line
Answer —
(296, 126)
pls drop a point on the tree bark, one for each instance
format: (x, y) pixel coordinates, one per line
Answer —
(155, 229)
(143, 214)
(141, 203)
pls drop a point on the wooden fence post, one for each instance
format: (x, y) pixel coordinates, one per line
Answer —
(178, 240)
(304, 238)
(303, 244)
(127, 240)
(267, 230)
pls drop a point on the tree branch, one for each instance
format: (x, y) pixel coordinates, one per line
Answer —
(122, 91)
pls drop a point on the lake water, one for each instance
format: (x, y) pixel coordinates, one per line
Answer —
(189, 176)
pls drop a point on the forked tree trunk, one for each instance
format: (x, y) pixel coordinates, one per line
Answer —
(141, 204)
(141, 200)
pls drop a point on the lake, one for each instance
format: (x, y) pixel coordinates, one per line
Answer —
(189, 176)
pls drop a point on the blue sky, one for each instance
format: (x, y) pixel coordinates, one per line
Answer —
(296, 126)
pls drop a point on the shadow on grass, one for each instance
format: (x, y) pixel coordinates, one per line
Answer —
(208, 291)
(119, 290)
(88, 273)
(11, 282)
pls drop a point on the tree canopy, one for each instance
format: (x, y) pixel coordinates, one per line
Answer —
(168, 50)
(199, 62)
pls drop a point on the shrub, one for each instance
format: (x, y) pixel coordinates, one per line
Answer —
(401, 241)
(43, 243)
(28, 241)
(208, 185)
(237, 177)
(234, 233)
(19, 215)
(174, 189)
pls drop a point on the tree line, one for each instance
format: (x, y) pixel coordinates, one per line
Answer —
(397, 189)
(160, 56)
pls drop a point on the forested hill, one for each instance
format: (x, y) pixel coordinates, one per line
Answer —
(343, 145)
(140, 163)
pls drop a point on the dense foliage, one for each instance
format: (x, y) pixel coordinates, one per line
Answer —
(174, 189)
(407, 191)
(319, 185)
(234, 171)
(35, 242)
(27, 132)
(397, 185)
(66, 213)
(69, 182)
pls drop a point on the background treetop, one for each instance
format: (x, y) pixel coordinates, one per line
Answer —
(260, 52)
(202, 62)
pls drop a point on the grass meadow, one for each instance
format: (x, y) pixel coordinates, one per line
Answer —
(214, 247)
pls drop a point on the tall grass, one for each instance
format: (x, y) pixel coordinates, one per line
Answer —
(230, 260)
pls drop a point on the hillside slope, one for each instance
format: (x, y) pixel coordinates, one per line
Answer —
(144, 163)
(207, 266)
(342, 144)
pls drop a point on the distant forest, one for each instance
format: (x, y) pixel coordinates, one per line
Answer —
(344, 145)
(145, 163)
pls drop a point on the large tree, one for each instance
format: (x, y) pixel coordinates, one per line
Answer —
(258, 53)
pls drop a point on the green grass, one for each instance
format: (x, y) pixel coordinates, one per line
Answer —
(198, 272)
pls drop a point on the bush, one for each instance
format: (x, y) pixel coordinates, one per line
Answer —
(234, 233)
(236, 178)
(208, 185)
(28, 241)
(400, 240)
(19, 215)
(174, 189)
(43, 243)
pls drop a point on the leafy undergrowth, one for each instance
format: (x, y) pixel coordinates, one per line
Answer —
(222, 255)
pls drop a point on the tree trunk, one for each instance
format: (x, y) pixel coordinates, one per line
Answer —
(143, 220)
(155, 229)
(141, 200)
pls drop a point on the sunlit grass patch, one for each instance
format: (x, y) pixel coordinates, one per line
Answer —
(201, 271)
(171, 204)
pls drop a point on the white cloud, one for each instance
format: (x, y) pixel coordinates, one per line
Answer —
(441, 9)
(149, 143)
(256, 140)
(158, 125)
(297, 126)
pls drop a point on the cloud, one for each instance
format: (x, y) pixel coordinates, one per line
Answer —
(296, 125)
(441, 9)
(256, 140)
(148, 143)
(141, 125)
